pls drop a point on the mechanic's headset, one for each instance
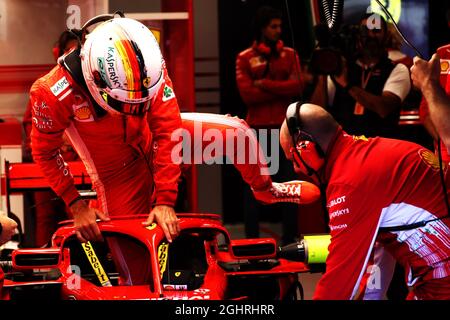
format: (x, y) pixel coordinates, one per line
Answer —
(264, 49)
(303, 142)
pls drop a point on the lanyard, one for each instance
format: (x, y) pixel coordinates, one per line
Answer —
(364, 79)
(359, 108)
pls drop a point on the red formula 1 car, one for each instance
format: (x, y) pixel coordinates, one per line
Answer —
(134, 262)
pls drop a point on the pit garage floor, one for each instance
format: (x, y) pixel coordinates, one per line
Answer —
(273, 230)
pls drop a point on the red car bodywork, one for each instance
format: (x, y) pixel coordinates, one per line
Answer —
(201, 264)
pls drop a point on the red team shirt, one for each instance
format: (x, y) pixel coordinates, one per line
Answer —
(380, 182)
(281, 81)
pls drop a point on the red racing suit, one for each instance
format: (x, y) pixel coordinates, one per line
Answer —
(375, 183)
(48, 213)
(280, 79)
(444, 79)
(212, 136)
(128, 158)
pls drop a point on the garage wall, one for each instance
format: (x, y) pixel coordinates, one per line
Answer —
(28, 31)
(207, 89)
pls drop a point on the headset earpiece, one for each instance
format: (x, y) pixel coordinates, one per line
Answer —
(263, 49)
(292, 120)
(307, 152)
(294, 125)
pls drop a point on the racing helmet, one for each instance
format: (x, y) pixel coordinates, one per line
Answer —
(122, 65)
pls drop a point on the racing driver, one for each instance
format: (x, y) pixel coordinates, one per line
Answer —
(114, 99)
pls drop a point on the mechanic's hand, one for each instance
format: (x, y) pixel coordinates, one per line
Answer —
(84, 220)
(165, 216)
(424, 72)
(9, 228)
(342, 79)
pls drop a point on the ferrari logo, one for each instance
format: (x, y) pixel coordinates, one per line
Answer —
(362, 137)
(177, 274)
(151, 227)
(105, 96)
(430, 159)
(146, 82)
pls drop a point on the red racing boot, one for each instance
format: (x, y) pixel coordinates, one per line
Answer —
(296, 191)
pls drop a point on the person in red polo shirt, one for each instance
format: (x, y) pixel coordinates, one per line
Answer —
(269, 78)
(377, 190)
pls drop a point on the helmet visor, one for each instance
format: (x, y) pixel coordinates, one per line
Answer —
(135, 109)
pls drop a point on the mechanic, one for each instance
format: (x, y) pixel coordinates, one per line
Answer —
(118, 108)
(254, 169)
(8, 228)
(431, 77)
(371, 184)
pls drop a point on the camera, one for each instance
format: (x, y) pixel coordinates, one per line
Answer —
(332, 47)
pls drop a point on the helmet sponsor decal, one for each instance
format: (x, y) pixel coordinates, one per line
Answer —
(111, 67)
(104, 96)
(147, 82)
(168, 93)
(101, 67)
(61, 85)
(430, 159)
